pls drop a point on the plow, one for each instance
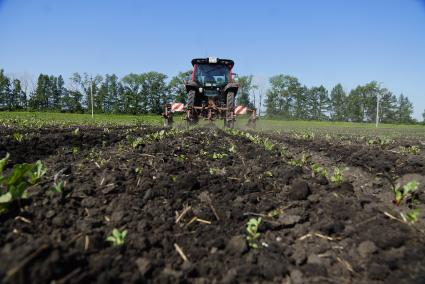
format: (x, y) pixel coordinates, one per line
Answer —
(211, 95)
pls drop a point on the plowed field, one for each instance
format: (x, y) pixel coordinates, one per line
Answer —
(185, 196)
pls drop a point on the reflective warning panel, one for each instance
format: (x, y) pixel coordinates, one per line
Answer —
(176, 107)
(241, 110)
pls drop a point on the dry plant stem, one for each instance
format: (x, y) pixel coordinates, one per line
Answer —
(185, 210)
(214, 212)
(180, 252)
(346, 264)
(23, 219)
(86, 242)
(309, 235)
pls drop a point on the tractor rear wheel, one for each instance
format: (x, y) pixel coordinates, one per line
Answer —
(191, 99)
(191, 115)
(229, 120)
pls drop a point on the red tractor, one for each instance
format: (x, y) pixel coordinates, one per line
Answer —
(211, 93)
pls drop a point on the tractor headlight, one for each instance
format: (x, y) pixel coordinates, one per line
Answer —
(200, 90)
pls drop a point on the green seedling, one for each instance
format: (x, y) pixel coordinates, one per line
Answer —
(3, 164)
(414, 150)
(318, 171)
(217, 171)
(217, 156)
(268, 174)
(283, 152)
(384, 141)
(400, 193)
(57, 187)
(232, 148)
(300, 162)
(295, 162)
(136, 142)
(253, 235)
(412, 216)
(14, 186)
(117, 237)
(181, 157)
(370, 142)
(308, 136)
(18, 137)
(337, 177)
(273, 214)
(268, 145)
(138, 170)
(76, 132)
(157, 135)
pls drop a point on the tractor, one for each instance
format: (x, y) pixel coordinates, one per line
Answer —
(211, 93)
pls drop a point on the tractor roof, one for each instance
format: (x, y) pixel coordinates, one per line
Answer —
(227, 62)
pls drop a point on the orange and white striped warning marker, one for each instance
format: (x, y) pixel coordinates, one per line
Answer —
(241, 110)
(177, 107)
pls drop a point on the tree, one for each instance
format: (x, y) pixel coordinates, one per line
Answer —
(280, 97)
(53, 93)
(176, 88)
(405, 110)
(18, 97)
(133, 100)
(4, 90)
(318, 103)
(370, 93)
(73, 99)
(387, 106)
(362, 102)
(110, 93)
(338, 103)
(154, 89)
(244, 92)
(301, 99)
(40, 99)
(354, 111)
(61, 91)
(423, 116)
(81, 84)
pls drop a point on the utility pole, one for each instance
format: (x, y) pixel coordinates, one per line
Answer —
(261, 101)
(253, 91)
(91, 95)
(377, 109)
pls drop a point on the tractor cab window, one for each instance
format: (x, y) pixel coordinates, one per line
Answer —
(215, 74)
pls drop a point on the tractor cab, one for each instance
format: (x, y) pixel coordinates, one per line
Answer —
(212, 74)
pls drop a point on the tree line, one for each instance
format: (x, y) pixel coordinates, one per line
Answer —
(289, 99)
(133, 94)
(148, 92)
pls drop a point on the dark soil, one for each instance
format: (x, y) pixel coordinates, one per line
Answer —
(312, 231)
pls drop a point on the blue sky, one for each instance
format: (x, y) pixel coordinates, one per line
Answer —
(318, 41)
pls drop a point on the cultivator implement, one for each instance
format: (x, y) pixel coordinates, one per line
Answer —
(211, 93)
(210, 112)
